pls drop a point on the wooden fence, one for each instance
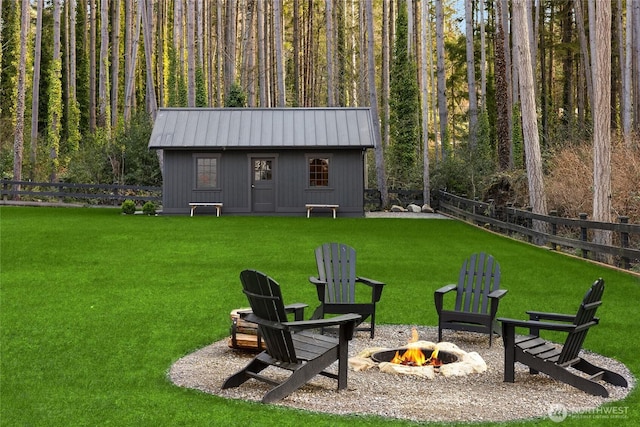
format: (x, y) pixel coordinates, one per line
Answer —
(65, 192)
(559, 233)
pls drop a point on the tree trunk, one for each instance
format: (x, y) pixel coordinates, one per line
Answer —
(329, 37)
(191, 54)
(103, 78)
(373, 100)
(115, 63)
(626, 78)
(262, 60)
(36, 89)
(512, 87)
(471, 74)
(152, 104)
(503, 107)
(54, 125)
(130, 62)
(18, 141)
(602, 120)
(426, 187)
(230, 46)
(584, 49)
(93, 10)
(483, 59)
(529, 119)
(277, 30)
(442, 89)
(384, 99)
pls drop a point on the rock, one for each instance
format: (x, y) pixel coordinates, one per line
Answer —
(427, 209)
(396, 208)
(413, 208)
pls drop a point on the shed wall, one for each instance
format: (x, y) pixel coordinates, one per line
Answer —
(292, 192)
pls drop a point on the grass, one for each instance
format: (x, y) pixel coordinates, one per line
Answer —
(96, 306)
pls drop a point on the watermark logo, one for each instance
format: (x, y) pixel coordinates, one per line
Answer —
(557, 412)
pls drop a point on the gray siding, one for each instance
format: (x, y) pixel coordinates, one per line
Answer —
(292, 192)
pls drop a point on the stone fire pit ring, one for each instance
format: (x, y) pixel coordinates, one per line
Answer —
(460, 362)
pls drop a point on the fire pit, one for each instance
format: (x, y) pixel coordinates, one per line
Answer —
(414, 356)
(420, 358)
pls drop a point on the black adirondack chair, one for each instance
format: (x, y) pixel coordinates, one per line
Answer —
(555, 361)
(336, 285)
(290, 346)
(477, 295)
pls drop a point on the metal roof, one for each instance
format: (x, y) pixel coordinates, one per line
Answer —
(230, 128)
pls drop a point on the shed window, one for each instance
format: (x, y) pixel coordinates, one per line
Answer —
(206, 172)
(319, 172)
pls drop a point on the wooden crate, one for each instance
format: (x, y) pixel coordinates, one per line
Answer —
(244, 335)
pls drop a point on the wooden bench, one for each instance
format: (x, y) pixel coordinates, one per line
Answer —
(216, 205)
(311, 206)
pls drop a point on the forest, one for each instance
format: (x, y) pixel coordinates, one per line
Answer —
(533, 102)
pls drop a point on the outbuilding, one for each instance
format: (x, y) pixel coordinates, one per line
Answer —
(266, 161)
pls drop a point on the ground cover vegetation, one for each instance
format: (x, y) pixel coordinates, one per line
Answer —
(96, 305)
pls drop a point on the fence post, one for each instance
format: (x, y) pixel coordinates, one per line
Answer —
(583, 234)
(530, 224)
(624, 241)
(509, 216)
(554, 229)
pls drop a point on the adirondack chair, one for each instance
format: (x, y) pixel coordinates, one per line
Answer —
(290, 346)
(477, 295)
(336, 285)
(543, 356)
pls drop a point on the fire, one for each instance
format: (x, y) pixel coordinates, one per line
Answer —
(413, 356)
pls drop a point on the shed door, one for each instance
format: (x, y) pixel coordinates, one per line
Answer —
(262, 184)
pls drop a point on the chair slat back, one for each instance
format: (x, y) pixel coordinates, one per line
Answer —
(479, 276)
(266, 303)
(337, 266)
(585, 318)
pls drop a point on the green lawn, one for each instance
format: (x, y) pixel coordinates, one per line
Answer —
(96, 306)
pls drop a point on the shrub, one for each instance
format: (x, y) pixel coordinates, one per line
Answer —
(128, 207)
(149, 208)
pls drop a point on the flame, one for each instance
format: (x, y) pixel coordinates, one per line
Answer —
(433, 359)
(413, 356)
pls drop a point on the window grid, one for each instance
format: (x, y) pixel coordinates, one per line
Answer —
(207, 172)
(319, 172)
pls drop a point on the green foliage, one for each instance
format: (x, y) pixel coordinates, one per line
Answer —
(149, 208)
(149, 298)
(10, 15)
(82, 67)
(236, 97)
(54, 117)
(201, 88)
(128, 207)
(518, 139)
(404, 104)
(123, 158)
(140, 165)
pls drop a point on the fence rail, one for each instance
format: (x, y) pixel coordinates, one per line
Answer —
(558, 233)
(70, 192)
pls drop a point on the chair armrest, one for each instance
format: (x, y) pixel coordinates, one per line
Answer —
(375, 285)
(445, 289)
(345, 322)
(322, 323)
(498, 293)
(296, 308)
(369, 282)
(540, 315)
(438, 296)
(320, 287)
(533, 324)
